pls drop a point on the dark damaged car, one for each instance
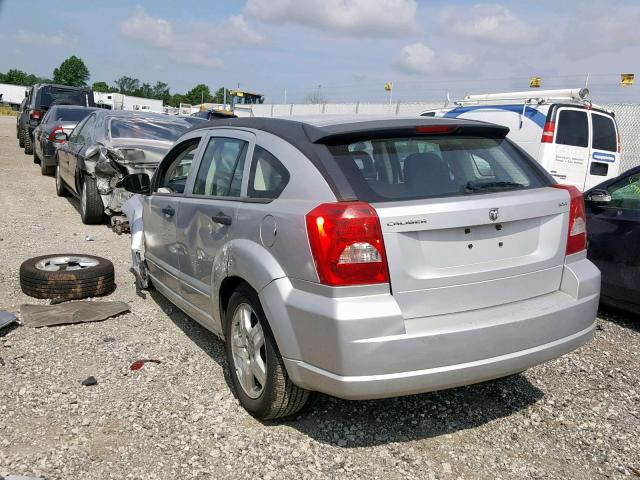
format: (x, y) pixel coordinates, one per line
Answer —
(106, 146)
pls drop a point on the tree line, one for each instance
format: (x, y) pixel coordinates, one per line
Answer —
(74, 72)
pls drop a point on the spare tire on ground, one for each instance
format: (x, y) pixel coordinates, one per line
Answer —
(67, 276)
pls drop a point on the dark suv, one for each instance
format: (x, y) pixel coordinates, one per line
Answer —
(42, 96)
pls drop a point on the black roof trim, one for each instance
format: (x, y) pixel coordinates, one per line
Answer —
(310, 139)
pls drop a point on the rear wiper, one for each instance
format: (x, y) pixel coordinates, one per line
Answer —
(474, 187)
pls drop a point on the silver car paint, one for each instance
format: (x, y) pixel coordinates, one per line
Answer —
(369, 341)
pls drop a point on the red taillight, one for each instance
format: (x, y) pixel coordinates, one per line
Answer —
(577, 238)
(346, 243)
(52, 135)
(435, 129)
(36, 114)
(547, 132)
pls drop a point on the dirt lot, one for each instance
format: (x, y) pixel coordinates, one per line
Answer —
(576, 417)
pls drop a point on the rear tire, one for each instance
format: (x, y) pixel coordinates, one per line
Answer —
(21, 138)
(47, 170)
(36, 159)
(279, 396)
(91, 207)
(61, 189)
(28, 144)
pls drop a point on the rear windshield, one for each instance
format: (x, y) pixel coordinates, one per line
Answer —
(435, 166)
(56, 96)
(69, 114)
(150, 129)
(604, 133)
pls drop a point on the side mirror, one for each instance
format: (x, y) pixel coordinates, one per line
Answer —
(61, 137)
(599, 197)
(137, 183)
(91, 151)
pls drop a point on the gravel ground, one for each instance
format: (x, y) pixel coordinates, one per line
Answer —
(575, 417)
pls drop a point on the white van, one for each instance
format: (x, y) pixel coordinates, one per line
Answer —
(574, 140)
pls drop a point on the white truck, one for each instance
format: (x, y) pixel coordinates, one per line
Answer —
(574, 140)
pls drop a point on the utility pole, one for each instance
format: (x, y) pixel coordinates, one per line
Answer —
(319, 93)
(285, 96)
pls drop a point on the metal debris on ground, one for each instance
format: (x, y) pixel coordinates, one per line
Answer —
(7, 318)
(19, 477)
(72, 312)
(138, 364)
(89, 238)
(89, 381)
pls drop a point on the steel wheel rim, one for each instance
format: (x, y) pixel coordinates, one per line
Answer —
(66, 263)
(248, 351)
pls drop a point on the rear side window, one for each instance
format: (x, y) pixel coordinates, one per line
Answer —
(268, 176)
(573, 128)
(424, 167)
(220, 172)
(604, 133)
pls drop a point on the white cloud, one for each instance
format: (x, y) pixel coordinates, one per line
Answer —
(190, 44)
(51, 40)
(145, 28)
(418, 58)
(351, 17)
(490, 23)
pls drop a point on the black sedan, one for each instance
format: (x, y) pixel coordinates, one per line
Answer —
(613, 228)
(106, 146)
(58, 118)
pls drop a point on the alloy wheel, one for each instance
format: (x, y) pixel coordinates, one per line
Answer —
(248, 350)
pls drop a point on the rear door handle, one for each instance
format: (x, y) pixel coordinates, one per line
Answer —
(169, 211)
(222, 219)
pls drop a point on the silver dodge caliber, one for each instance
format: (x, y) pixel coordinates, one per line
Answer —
(367, 258)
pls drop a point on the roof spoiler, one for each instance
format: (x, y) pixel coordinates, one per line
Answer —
(354, 132)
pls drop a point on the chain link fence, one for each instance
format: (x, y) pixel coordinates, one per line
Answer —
(627, 117)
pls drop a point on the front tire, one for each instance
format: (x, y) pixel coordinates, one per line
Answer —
(91, 207)
(257, 371)
(36, 159)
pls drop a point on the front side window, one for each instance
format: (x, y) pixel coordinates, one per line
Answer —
(80, 133)
(268, 176)
(604, 133)
(424, 167)
(625, 194)
(174, 178)
(220, 172)
(573, 128)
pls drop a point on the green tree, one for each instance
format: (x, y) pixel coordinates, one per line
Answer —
(127, 85)
(198, 94)
(219, 96)
(145, 91)
(100, 87)
(72, 71)
(161, 92)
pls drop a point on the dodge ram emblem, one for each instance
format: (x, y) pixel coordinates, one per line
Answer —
(494, 213)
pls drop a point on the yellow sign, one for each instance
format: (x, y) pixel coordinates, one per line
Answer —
(627, 79)
(388, 86)
(535, 82)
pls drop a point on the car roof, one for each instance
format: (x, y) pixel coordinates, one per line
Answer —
(319, 129)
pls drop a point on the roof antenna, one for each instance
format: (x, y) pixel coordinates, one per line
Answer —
(447, 101)
(586, 81)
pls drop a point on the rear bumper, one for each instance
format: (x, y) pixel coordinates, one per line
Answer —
(360, 347)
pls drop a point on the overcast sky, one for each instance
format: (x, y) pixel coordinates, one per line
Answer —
(349, 47)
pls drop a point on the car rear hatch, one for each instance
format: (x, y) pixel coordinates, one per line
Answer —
(467, 219)
(464, 253)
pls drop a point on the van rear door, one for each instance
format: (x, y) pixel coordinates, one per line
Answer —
(567, 158)
(604, 158)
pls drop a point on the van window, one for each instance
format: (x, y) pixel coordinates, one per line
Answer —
(573, 128)
(604, 133)
(395, 169)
